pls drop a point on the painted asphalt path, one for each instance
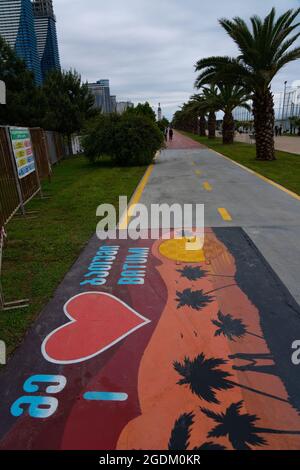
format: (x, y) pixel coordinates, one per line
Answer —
(180, 141)
(269, 216)
(148, 345)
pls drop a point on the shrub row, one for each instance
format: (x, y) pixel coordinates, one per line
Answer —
(129, 139)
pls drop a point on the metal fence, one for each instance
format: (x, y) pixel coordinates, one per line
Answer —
(41, 152)
(16, 189)
(55, 144)
(10, 200)
(286, 106)
(14, 192)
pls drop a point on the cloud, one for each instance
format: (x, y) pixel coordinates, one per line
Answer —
(148, 48)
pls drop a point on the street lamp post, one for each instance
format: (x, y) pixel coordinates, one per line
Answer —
(283, 104)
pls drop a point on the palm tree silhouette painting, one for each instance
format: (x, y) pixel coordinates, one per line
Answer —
(196, 299)
(240, 428)
(181, 433)
(192, 273)
(231, 327)
(205, 378)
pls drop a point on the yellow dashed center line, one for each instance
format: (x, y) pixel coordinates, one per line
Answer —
(224, 214)
(207, 186)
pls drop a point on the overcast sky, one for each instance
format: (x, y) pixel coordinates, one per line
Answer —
(147, 48)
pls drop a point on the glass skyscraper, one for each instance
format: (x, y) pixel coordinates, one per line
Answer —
(29, 27)
(17, 28)
(45, 30)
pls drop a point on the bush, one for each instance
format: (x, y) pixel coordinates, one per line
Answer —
(129, 139)
(163, 124)
(99, 137)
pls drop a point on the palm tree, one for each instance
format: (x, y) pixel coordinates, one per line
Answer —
(229, 98)
(204, 378)
(264, 50)
(196, 299)
(181, 433)
(231, 327)
(192, 273)
(198, 102)
(186, 118)
(212, 102)
(240, 428)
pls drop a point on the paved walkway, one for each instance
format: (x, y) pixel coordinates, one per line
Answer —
(143, 337)
(286, 144)
(180, 141)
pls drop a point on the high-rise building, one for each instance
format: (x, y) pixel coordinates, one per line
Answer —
(46, 36)
(122, 106)
(113, 102)
(17, 28)
(101, 92)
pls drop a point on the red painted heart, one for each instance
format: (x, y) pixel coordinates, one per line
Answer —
(98, 321)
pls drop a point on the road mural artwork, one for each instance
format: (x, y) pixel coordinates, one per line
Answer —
(148, 346)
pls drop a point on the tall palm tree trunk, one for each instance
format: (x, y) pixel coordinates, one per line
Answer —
(195, 126)
(202, 126)
(212, 125)
(228, 128)
(263, 111)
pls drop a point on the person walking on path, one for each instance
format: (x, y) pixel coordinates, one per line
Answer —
(170, 134)
(276, 131)
(166, 134)
(280, 131)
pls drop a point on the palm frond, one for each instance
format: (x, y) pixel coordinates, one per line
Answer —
(217, 417)
(209, 446)
(181, 432)
(288, 57)
(212, 61)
